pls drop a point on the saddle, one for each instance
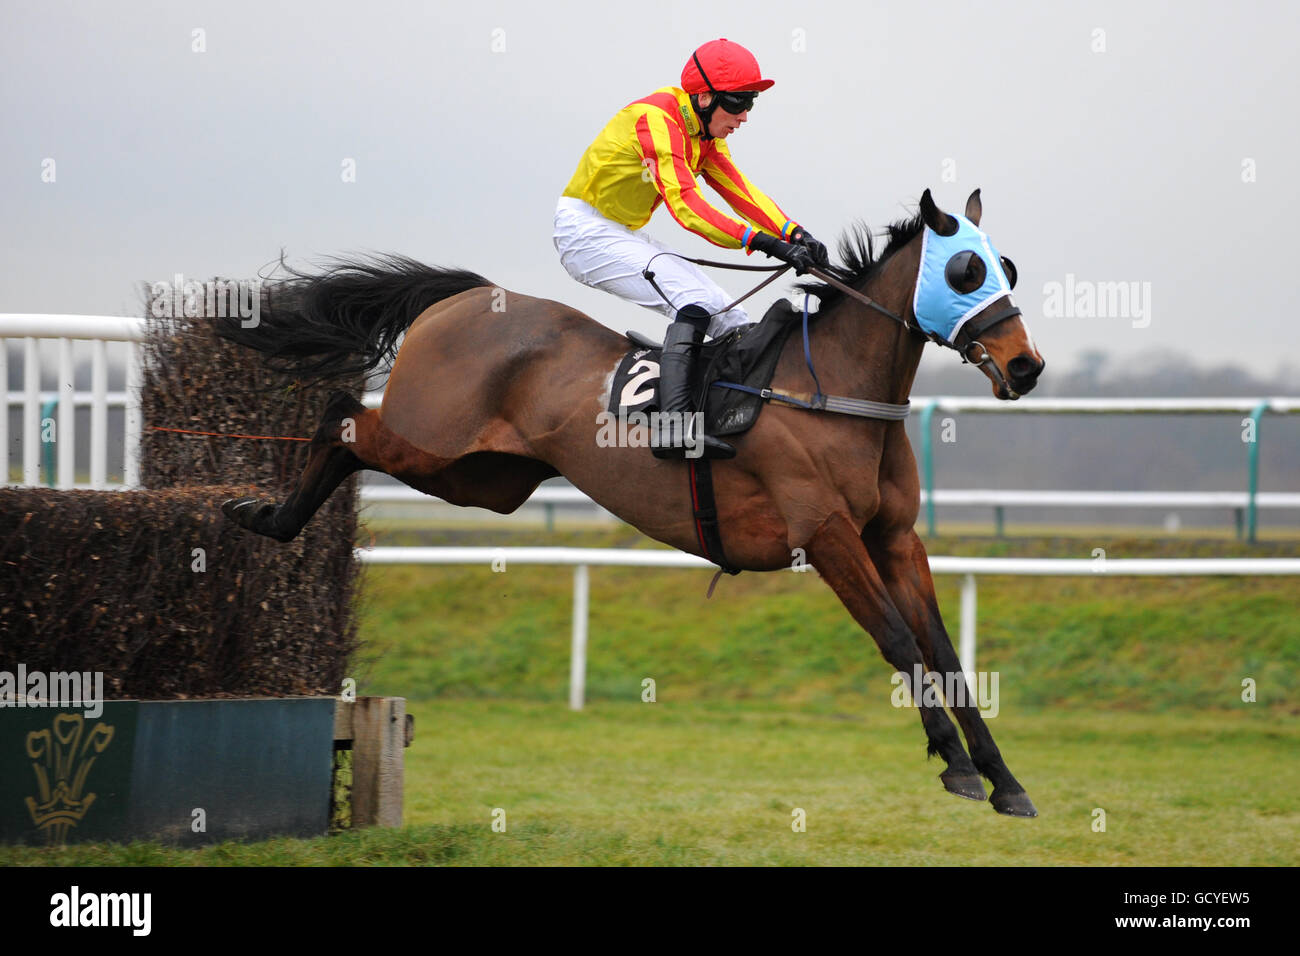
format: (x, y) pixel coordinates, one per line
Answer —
(745, 356)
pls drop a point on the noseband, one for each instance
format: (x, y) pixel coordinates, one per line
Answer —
(967, 340)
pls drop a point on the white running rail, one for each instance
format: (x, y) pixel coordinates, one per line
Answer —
(582, 558)
(101, 330)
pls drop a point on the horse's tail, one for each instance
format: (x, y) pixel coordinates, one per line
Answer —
(349, 319)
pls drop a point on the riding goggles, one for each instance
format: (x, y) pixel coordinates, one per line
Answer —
(736, 103)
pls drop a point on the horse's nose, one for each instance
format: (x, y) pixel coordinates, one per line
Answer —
(1023, 370)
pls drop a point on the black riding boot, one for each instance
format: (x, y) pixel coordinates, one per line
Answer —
(676, 367)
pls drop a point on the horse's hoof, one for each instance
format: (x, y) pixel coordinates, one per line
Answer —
(232, 507)
(1013, 804)
(255, 514)
(966, 785)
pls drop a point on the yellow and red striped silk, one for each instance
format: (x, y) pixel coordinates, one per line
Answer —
(651, 152)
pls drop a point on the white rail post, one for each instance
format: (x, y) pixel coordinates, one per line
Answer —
(578, 657)
(31, 412)
(131, 461)
(4, 418)
(99, 414)
(967, 641)
(67, 434)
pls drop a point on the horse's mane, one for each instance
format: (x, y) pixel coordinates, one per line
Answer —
(857, 248)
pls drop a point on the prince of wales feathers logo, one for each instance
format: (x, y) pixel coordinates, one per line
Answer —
(62, 761)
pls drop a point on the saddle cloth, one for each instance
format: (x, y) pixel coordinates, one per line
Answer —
(747, 356)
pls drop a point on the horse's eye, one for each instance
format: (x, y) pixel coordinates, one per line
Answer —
(965, 272)
(1009, 268)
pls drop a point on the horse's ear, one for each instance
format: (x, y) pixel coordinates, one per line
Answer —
(974, 208)
(936, 218)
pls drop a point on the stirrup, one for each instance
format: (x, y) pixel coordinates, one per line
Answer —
(675, 444)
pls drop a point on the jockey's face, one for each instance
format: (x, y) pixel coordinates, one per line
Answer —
(723, 123)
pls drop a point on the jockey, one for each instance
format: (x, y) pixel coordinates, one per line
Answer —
(650, 153)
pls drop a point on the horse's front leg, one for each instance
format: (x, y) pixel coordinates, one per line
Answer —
(900, 556)
(838, 553)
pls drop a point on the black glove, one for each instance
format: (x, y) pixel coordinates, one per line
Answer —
(802, 237)
(797, 256)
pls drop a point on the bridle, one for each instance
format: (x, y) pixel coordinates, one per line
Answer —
(967, 337)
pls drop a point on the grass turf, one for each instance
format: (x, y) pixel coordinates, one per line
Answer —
(716, 784)
(1120, 695)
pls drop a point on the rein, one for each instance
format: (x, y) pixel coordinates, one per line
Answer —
(840, 404)
(775, 270)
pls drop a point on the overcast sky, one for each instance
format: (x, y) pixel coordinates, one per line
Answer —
(1137, 142)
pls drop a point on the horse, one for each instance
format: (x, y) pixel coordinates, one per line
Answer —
(491, 392)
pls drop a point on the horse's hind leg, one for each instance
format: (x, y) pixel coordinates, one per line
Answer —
(906, 572)
(838, 553)
(352, 437)
(330, 460)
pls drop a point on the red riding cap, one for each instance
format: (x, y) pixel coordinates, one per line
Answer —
(729, 67)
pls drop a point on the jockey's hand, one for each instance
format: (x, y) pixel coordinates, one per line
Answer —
(802, 237)
(797, 256)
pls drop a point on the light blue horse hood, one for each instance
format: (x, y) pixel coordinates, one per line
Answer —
(938, 306)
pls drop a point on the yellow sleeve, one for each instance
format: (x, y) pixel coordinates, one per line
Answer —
(742, 195)
(662, 141)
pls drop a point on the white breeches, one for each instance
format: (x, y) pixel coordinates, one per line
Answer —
(608, 255)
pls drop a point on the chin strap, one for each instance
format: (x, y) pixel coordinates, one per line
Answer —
(706, 116)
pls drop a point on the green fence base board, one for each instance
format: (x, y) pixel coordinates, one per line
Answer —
(180, 772)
